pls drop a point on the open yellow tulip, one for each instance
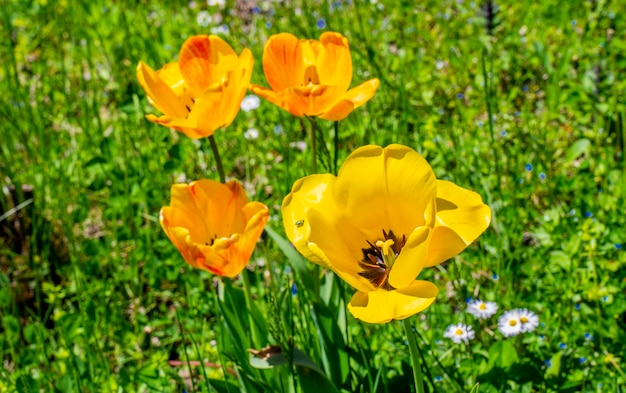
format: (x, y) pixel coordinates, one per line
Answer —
(378, 223)
(203, 90)
(213, 225)
(311, 78)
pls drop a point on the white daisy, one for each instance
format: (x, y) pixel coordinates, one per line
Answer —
(481, 309)
(459, 333)
(529, 320)
(250, 103)
(204, 18)
(510, 324)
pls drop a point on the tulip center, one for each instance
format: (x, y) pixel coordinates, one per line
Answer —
(379, 257)
(310, 76)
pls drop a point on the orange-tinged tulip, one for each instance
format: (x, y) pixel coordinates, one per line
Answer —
(203, 90)
(379, 223)
(213, 225)
(311, 78)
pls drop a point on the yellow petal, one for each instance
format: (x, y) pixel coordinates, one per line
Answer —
(382, 306)
(160, 94)
(306, 193)
(204, 61)
(385, 189)
(351, 100)
(311, 100)
(334, 62)
(410, 261)
(171, 75)
(444, 244)
(461, 210)
(282, 61)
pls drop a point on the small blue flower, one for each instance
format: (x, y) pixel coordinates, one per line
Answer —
(516, 113)
(256, 10)
(542, 324)
(588, 336)
(294, 290)
(438, 378)
(573, 22)
(542, 337)
(582, 360)
(460, 96)
(605, 298)
(562, 345)
(268, 24)
(577, 306)
(437, 342)
(588, 214)
(278, 129)
(618, 246)
(468, 299)
(167, 47)
(406, 342)
(441, 111)
(321, 23)
(572, 212)
(525, 88)
(287, 269)
(547, 362)
(528, 167)
(542, 176)
(503, 133)
(480, 124)
(495, 277)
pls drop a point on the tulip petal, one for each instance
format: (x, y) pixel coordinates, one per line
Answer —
(333, 240)
(461, 210)
(170, 74)
(282, 61)
(410, 261)
(385, 189)
(351, 100)
(334, 62)
(444, 244)
(383, 306)
(160, 94)
(205, 60)
(306, 193)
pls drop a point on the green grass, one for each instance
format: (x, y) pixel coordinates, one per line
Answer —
(93, 296)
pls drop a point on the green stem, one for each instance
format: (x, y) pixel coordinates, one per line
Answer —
(218, 160)
(415, 356)
(255, 335)
(313, 144)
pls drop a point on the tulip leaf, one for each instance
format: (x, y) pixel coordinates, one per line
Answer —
(502, 355)
(311, 381)
(297, 262)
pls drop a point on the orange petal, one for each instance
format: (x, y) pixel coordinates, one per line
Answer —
(334, 62)
(310, 100)
(282, 61)
(383, 306)
(204, 61)
(160, 94)
(351, 100)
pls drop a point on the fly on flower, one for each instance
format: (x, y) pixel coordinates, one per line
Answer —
(379, 223)
(311, 78)
(213, 225)
(203, 90)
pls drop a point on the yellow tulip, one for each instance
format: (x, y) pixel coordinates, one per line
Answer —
(213, 225)
(203, 90)
(379, 223)
(311, 78)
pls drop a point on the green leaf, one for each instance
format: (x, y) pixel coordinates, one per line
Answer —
(297, 262)
(577, 149)
(555, 365)
(560, 259)
(475, 388)
(502, 355)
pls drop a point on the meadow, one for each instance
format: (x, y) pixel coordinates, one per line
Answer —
(522, 102)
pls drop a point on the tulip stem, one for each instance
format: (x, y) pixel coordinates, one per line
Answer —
(313, 144)
(218, 160)
(254, 331)
(415, 356)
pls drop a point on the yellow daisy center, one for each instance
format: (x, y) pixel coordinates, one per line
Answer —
(459, 332)
(512, 322)
(523, 320)
(482, 306)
